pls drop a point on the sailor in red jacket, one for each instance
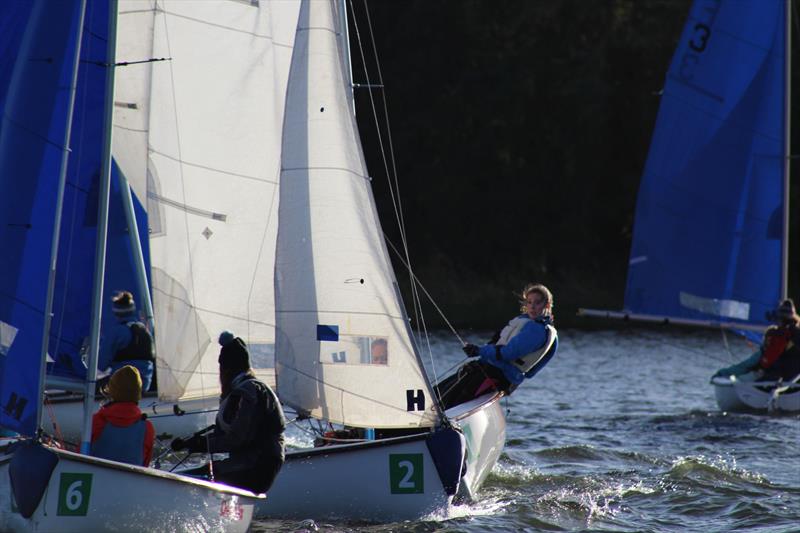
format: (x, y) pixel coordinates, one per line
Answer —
(120, 431)
(778, 357)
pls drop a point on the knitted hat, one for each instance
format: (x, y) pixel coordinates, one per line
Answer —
(122, 303)
(125, 385)
(233, 355)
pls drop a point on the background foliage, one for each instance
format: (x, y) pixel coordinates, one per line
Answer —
(520, 130)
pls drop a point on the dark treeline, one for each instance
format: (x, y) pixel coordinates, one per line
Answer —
(520, 131)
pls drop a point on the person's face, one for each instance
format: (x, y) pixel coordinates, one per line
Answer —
(535, 304)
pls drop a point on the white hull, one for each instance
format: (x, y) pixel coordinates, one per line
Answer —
(748, 396)
(90, 494)
(171, 419)
(360, 481)
(386, 480)
(484, 425)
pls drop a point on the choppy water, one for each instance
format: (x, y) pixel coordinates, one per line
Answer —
(621, 432)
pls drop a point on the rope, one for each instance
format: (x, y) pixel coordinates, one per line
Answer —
(182, 180)
(430, 298)
(684, 348)
(394, 188)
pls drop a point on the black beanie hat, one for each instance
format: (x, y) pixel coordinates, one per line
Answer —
(233, 355)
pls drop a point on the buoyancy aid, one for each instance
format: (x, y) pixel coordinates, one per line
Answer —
(122, 444)
(140, 347)
(776, 342)
(270, 419)
(527, 361)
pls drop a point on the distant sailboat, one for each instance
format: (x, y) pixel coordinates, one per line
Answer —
(55, 170)
(710, 242)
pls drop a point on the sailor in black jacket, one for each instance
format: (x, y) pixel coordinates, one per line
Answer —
(249, 425)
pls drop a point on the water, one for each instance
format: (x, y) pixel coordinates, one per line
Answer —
(621, 432)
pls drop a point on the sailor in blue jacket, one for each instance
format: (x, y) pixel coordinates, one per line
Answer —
(519, 351)
(128, 342)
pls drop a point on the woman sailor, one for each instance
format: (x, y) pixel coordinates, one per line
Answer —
(519, 351)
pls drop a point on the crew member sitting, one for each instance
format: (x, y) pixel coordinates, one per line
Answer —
(128, 342)
(120, 431)
(249, 425)
(778, 357)
(519, 351)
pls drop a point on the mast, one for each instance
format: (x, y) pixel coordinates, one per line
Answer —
(62, 180)
(787, 73)
(345, 36)
(136, 248)
(102, 231)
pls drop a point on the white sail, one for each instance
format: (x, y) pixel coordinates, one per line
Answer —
(344, 353)
(206, 142)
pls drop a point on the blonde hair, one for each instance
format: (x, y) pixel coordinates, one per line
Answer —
(542, 291)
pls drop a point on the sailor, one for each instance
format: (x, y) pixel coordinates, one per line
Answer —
(120, 431)
(778, 357)
(518, 352)
(249, 425)
(129, 342)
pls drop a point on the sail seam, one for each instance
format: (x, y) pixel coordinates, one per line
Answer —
(362, 313)
(210, 311)
(220, 26)
(349, 171)
(351, 393)
(212, 169)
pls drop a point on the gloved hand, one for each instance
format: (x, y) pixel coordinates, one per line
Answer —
(471, 350)
(178, 444)
(194, 444)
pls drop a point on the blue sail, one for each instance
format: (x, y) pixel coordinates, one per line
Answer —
(39, 58)
(74, 276)
(709, 217)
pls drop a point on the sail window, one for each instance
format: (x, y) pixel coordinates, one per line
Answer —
(716, 307)
(261, 355)
(356, 350)
(7, 335)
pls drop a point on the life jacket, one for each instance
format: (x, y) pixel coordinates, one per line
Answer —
(527, 361)
(122, 444)
(140, 347)
(776, 342)
(273, 421)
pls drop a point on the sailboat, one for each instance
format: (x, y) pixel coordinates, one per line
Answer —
(55, 169)
(197, 121)
(336, 301)
(260, 220)
(712, 221)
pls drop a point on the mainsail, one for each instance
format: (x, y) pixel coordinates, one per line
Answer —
(344, 352)
(39, 60)
(198, 135)
(709, 225)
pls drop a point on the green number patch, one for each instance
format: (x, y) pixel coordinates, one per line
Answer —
(73, 494)
(406, 473)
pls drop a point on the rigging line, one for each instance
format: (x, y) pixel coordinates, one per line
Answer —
(343, 391)
(393, 191)
(416, 300)
(261, 248)
(725, 342)
(394, 188)
(421, 286)
(681, 347)
(190, 263)
(76, 159)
